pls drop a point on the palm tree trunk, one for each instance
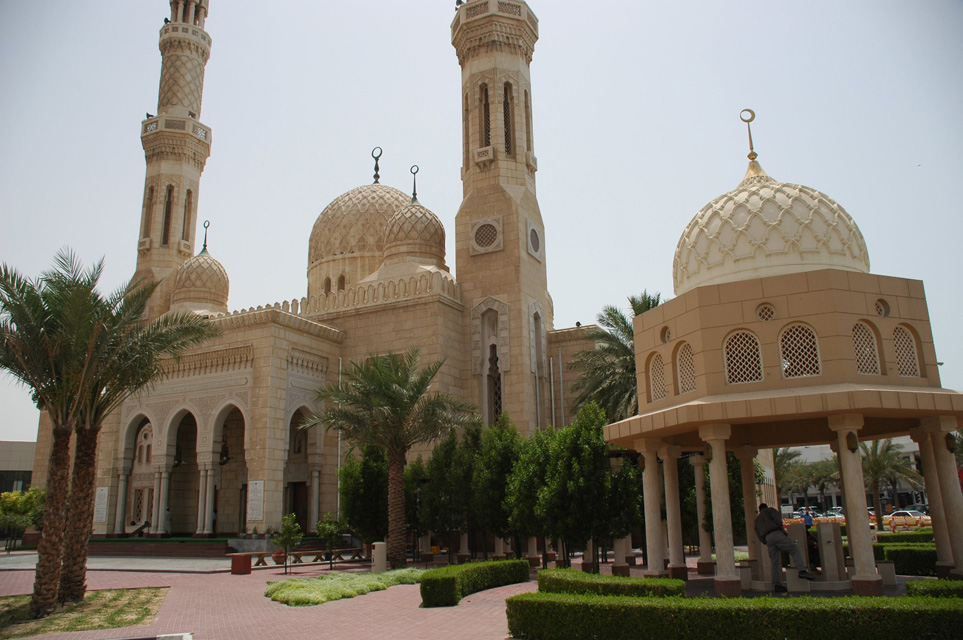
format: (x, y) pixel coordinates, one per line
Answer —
(51, 546)
(73, 578)
(396, 509)
(878, 504)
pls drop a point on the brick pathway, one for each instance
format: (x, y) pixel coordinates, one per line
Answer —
(225, 607)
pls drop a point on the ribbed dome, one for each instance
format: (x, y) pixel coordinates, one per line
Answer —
(355, 222)
(201, 285)
(765, 228)
(415, 233)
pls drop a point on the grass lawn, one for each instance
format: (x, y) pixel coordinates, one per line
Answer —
(100, 610)
(303, 592)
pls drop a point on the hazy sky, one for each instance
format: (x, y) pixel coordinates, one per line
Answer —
(636, 121)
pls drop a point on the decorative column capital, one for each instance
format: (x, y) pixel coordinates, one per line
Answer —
(670, 452)
(715, 432)
(698, 460)
(846, 422)
(745, 452)
(939, 424)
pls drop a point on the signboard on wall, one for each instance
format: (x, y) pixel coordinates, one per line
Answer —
(255, 500)
(100, 505)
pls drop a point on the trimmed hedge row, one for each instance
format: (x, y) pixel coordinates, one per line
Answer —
(913, 559)
(926, 535)
(935, 588)
(578, 582)
(446, 586)
(556, 616)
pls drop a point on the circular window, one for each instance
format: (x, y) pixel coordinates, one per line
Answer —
(765, 312)
(882, 308)
(666, 335)
(485, 235)
(534, 239)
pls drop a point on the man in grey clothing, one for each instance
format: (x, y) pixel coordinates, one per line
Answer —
(770, 530)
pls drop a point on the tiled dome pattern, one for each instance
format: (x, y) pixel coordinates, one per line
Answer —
(764, 228)
(355, 222)
(415, 231)
(202, 279)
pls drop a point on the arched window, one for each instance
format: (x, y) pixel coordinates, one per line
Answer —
(508, 109)
(907, 360)
(865, 349)
(494, 385)
(327, 286)
(188, 210)
(799, 351)
(528, 123)
(148, 211)
(486, 118)
(743, 360)
(341, 283)
(168, 212)
(685, 368)
(466, 133)
(656, 378)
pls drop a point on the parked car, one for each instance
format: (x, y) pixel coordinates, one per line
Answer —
(924, 508)
(907, 518)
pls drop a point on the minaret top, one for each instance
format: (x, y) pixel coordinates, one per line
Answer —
(516, 30)
(192, 12)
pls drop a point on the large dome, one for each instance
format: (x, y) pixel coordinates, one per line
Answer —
(347, 242)
(764, 228)
(201, 285)
(415, 234)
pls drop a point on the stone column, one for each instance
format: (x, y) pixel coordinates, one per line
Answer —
(314, 501)
(747, 456)
(950, 493)
(673, 510)
(865, 580)
(931, 478)
(120, 516)
(155, 516)
(652, 497)
(727, 581)
(706, 566)
(162, 514)
(209, 504)
(201, 500)
(533, 559)
(464, 555)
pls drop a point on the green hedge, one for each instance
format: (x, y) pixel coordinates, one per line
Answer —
(572, 581)
(446, 586)
(913, 559)
(935, 588)
(556, 616)
(926, 535)
(880, 550)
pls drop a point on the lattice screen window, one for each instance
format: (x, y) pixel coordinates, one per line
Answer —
(685, 369)
(656, 379)
(743, 360)
(907, 362)
(800, 352)
(866, 350)
(138, 510)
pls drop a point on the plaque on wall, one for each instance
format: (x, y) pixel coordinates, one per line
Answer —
(100, 505)
(255, 500)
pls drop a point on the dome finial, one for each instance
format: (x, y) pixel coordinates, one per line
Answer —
(414, 184)
(376, 154)
(747, 116)
(207, 224)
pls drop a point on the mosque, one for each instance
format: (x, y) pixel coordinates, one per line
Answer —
(779, 334)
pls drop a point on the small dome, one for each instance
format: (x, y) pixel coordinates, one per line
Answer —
(415, 234)
(765, 228)
(201, 285)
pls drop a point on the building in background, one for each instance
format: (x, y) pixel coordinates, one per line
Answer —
(16, 465)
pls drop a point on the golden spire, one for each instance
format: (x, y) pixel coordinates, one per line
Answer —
(755, 173)
(747, 116)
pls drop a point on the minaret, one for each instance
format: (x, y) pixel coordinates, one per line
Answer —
(176, 146)
(500, 239)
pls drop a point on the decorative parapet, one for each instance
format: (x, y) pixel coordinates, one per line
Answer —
(213, 361)
(482, 26)
(306, 363)
(571, 334)
(281, 314)
(381, 292)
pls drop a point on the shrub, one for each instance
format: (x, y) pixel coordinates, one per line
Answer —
(446, 586)
(935, 588)
(578, 582)
(925, 535)
(880, 553)
(555, 616)
(302, 592)
(913, 559)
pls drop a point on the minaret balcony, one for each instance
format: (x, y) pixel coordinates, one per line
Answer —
(176, 124)
(474, 10)
(178, 30)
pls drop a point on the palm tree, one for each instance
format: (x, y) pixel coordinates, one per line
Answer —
(607, 373)
(882, 461)
(784, 460)
(81, 354)
(386, 402)
(825, 473)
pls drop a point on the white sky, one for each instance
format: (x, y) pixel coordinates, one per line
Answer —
(635, 104)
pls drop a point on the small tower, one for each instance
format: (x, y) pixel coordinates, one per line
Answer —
(176, 147)
(500, 240)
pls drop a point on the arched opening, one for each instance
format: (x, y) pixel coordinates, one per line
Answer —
(341, 283)
(188, 212)
(297, 472)
(907, 353)
(685, 369)
(168, 213)
(866, 349)
(508, 114)
(327, 286)
(140, 493)
(743, 358)
(230, 513)
(148, 211)
(656, 371)
(486, 117)
(182, 497)
(800, 352)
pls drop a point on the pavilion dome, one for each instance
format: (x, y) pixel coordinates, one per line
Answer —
(764, 228)
(201, 285)
(415, 234)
